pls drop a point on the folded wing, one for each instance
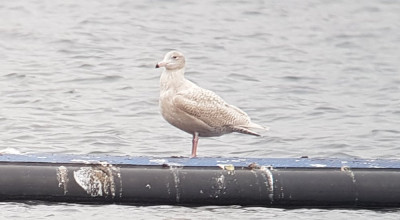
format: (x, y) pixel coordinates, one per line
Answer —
(208, 107)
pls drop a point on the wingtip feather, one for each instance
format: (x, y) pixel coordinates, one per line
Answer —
(252, 129)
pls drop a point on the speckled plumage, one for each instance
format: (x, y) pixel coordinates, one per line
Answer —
(196, 110)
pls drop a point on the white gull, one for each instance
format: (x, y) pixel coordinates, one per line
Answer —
(195, 110)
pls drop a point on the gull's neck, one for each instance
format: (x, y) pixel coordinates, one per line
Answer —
(172, 79)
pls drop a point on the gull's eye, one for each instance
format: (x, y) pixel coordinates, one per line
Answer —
(175, 57)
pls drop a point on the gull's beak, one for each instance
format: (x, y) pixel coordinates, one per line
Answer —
(161, 64)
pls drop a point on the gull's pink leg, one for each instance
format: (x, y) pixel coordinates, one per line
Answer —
(194, 144)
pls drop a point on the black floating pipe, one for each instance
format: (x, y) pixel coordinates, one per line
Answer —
(201, 181)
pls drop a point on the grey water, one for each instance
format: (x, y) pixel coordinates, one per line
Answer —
(78, 77)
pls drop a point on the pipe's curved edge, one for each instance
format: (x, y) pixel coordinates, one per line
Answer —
(203, 161)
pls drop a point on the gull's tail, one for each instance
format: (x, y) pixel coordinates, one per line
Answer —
(252, 129)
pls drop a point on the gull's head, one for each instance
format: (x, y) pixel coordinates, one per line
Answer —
(173, 60)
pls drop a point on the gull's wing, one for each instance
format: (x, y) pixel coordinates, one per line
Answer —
(208, 107)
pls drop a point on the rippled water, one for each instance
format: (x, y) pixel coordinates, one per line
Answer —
(78, 77)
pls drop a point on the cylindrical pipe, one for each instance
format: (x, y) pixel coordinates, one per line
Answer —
(199, 185)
